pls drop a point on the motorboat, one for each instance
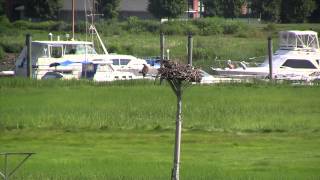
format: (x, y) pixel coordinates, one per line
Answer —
(122, 67)
(75, 60)
(64, 59)
(298, 58)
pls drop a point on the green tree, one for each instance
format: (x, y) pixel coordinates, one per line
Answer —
(167, 8)
(2, 7)
(225, 8)
(231, 8)
(213, 8)
(296, 11)
(43, 9)
(268, 9)
(315, 16)
(109, 8)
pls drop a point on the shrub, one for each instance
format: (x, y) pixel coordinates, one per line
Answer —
(270, 27)
(4, 30)
(4, 21)
(114, 48)
(11, 47)
(174, 28)
(110, 27)
(44, 25)
(61, 26)
(233, 27)
(135, 25)
(1, 53)
(21, 24)
(209, 26)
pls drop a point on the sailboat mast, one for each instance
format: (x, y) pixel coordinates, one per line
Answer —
(73, 4)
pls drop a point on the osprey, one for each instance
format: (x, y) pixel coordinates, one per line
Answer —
(144, 70)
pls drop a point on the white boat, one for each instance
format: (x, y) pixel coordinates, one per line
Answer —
(75, 60)
(298, 58)
(122, 67)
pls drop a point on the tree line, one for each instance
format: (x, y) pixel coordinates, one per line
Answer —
(283, 11)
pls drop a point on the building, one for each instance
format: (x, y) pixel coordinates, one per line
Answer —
(127, 8)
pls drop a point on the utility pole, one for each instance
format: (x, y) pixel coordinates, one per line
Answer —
(270, 57)
(29, 56)
(161, 46)
(190, 45)
(73, 7)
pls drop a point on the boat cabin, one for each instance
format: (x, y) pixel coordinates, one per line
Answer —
(65, 57)
(298, 40)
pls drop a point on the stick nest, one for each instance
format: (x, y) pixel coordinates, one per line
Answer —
(183, 72)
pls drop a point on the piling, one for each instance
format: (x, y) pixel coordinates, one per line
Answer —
(161, 46)
(270, 57)
(190, 46)
(29, 63)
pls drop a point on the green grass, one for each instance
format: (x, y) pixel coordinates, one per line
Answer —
(125, 130)
(148, 155)
(143, 105)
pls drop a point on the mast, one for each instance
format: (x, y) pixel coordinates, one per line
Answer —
(73, 4)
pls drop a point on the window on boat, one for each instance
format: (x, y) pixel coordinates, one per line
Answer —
(299, 63)
(104, 68)
(39, 50)
(124, 61)
(56, 51)
(115, 62)
(79, 49)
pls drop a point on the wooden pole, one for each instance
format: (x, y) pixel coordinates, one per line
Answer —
(73, 4)
(29, 63)
(270, 57)
(190, 45)
(176, 161)
(161, 46)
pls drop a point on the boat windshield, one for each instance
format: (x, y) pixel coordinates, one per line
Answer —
(78, 49)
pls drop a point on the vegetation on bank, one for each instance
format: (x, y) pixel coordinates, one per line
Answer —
(214, 38)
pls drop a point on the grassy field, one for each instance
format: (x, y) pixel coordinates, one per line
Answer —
(143, 105)
(148, 155)
(124, 130)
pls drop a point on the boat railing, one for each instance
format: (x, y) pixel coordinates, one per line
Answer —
(250, 62)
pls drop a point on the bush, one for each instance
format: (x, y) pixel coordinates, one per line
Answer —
(4, 21)
(209, 26)
(234, 27)
(1, 53)
(171, 28)
(135, 25)
(11, 47)
(114, 48)
(110, 27)
(44, 25)
(270, 27)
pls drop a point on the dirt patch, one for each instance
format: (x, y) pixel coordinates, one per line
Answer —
(7, 63)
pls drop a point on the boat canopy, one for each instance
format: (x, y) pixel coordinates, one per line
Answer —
(298, 40)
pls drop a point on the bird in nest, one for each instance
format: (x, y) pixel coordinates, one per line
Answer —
(144, 70)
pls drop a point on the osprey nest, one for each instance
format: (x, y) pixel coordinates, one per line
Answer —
(182, 72)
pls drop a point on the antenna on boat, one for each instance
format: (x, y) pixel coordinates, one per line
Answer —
(92, 28)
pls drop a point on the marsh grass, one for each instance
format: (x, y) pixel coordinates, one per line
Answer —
(259, 107)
